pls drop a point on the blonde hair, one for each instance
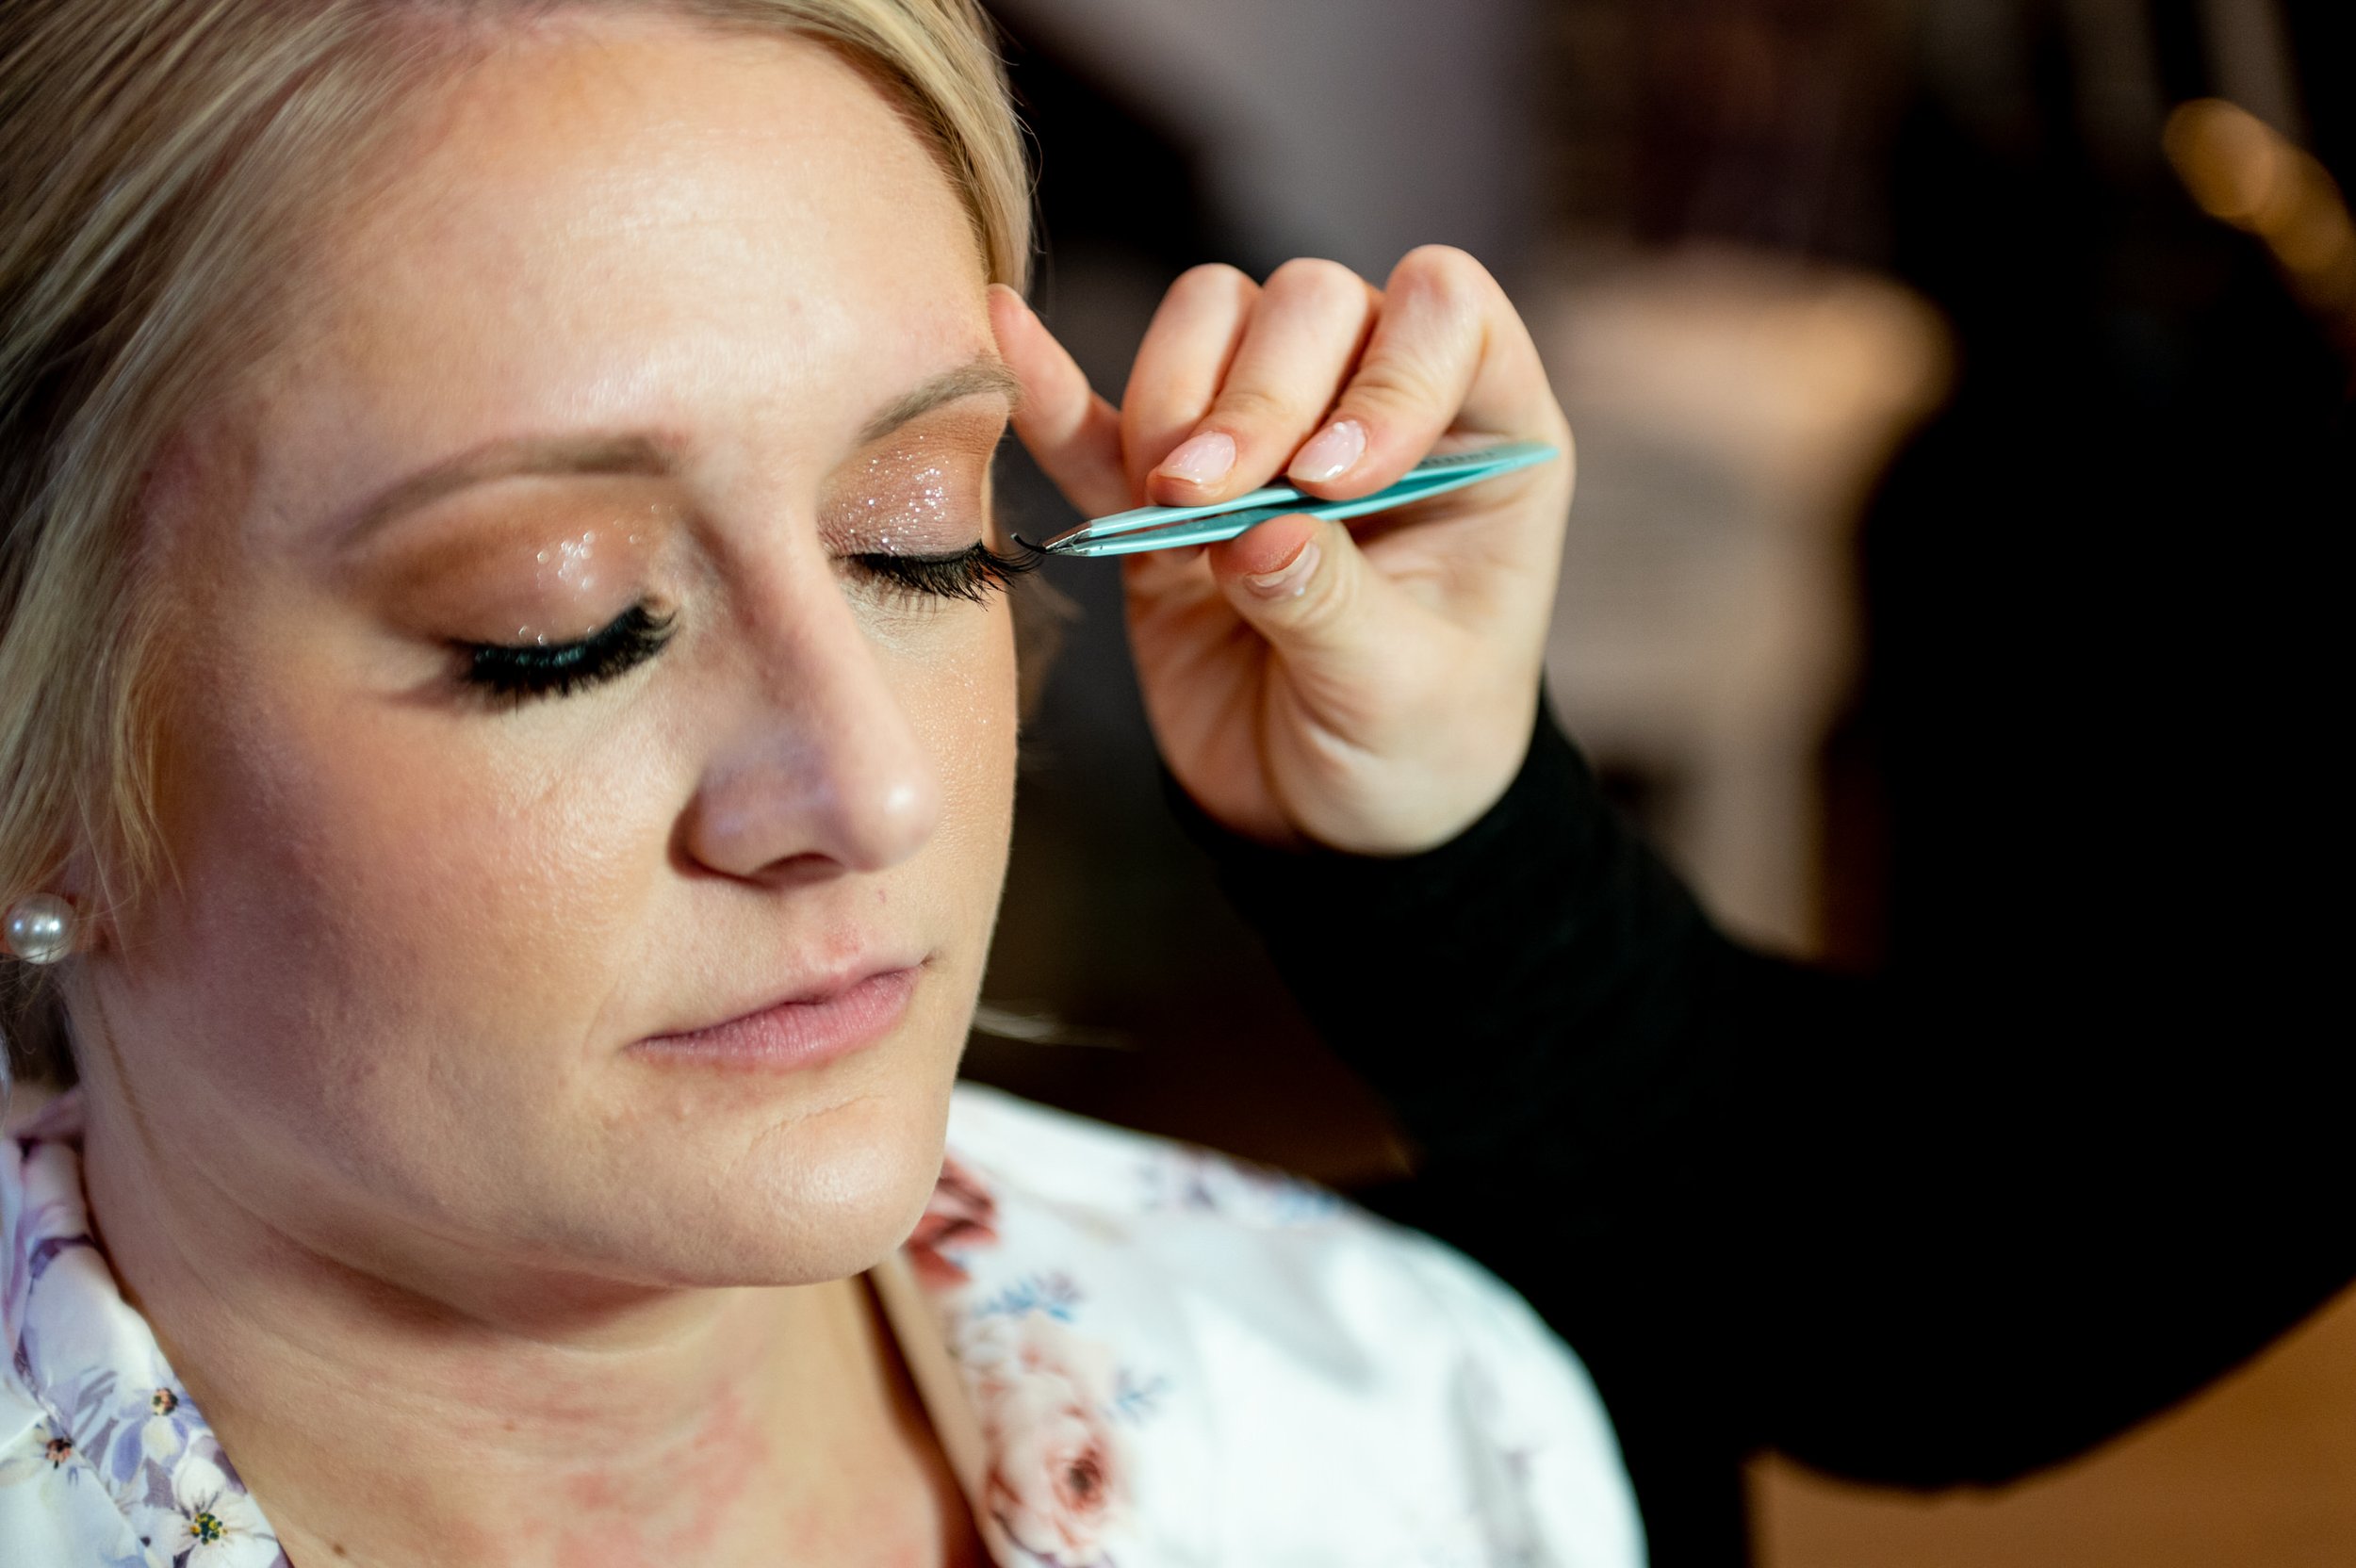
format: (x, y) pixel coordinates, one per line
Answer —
(159, 162)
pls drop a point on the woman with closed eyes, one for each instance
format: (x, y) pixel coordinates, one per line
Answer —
(507, 732)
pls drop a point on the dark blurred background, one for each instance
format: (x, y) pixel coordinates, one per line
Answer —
(1962, 395)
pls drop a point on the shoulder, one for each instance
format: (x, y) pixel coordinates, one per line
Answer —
(1274, 1374)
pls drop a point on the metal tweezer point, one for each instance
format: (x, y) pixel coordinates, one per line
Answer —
(1167, 528)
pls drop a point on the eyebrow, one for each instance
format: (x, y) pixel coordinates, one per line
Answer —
(641, 454)
(982, 374)
(562, 454)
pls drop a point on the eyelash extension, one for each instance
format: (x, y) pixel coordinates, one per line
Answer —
(516, 674)
(972, 574)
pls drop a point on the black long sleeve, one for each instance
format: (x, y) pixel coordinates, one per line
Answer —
(1925, 1229)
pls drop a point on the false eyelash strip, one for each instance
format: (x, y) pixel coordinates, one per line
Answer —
(516, 673)
(970, 574)
(512, 674)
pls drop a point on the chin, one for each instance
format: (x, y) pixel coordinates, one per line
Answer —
(822, 1197)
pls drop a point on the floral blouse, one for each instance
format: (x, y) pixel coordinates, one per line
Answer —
(1135, 1354)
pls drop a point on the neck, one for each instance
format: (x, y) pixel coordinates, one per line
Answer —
(518, 1418)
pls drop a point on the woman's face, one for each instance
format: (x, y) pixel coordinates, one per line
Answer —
(651, 365)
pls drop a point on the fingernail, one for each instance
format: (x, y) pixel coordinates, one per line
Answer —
(1291, 580)
(1336, 449)
(1205, 460)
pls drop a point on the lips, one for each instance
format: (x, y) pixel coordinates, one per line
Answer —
(808, 1030)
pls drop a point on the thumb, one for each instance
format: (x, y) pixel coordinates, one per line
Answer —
(1303, 583)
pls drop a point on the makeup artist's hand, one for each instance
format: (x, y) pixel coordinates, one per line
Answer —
(1368, 685)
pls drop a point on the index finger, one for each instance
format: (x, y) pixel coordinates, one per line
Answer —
(1072, 434)
(1448, 354)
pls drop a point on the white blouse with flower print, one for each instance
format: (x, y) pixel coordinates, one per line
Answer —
(1135, 1355)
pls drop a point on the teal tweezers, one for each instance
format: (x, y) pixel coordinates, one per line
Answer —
(1167, 528)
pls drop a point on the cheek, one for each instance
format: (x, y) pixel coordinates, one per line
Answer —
(416, 938)
(362, 884)
(963, 706)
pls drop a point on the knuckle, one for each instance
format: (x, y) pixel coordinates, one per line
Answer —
(1253, 404)
(1443, 273)
(1331, 597)
(1212, 282)
(1309, 281)
(1399, 386)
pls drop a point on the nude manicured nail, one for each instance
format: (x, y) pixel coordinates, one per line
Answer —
(1205, 460)
(1291, 580)
(1333, 453)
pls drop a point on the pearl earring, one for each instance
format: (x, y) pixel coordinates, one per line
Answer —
(41, 928)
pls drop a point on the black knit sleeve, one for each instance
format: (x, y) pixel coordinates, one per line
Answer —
(1535, 989)
(1929, 1229)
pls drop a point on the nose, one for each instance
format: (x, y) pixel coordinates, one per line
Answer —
(823, 770)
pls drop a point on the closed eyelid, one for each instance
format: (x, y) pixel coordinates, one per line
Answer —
(965, 432)
(542, 559)
(927, 489)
